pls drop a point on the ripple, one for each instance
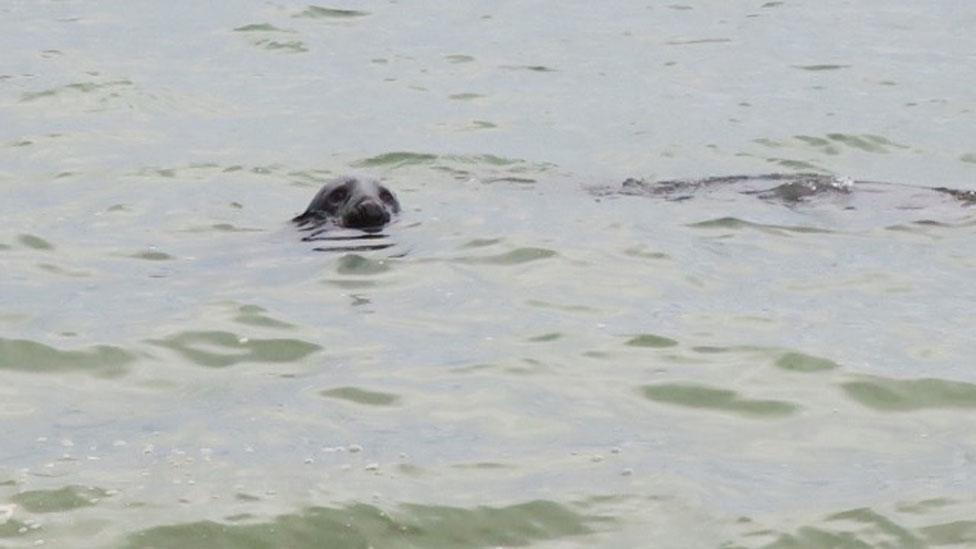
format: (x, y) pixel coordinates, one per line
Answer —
(531, 68)
(259, 36)
(395, 159)
(9, 410)
(361, 525)
(739, 224)
(799, 362)
(825, 145)
(291, 46)
(352, 284)
(68, 498)
(866, 142)
(869, 527)
(206, 171)
(698, 41)
(824, 67)
(486, 159)
(517, 180)
(354, 264)
(222, 228)
(105, 94)
(362, 396)
(483, 465)
(30, 356)
(708, 398)
(833, 144)
(642, 252)
(152, 255)
(465, 96)
(517, 256)
(76, 87)
(216, 349)
(481, 242)
(898, 395)
(252, 315)
(11, 527)
(61, 271)
(451, 162)
(570, 308)
(34, 242)
(260, 27)
(346, 240)
(651, 340)
(712, 350)
(318, 12)
(797, 165)
(476, 125)
(458, 58)
(961, 533)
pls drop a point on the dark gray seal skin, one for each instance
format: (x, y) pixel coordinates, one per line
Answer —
(966, 197)
(787, 189)
(350, 202)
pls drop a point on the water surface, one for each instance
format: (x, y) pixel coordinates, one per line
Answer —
(524, 361)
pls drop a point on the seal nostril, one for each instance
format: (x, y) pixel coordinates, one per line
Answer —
(367, 214)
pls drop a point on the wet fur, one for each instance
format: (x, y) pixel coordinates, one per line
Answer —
(350, 202)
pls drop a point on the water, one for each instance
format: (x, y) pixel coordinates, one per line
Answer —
(528, 362)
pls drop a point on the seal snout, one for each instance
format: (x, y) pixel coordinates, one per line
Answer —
(367, 213)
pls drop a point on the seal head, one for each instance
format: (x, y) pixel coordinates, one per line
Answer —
(352, 202)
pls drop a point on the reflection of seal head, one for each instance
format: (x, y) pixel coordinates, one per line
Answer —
(358, 203)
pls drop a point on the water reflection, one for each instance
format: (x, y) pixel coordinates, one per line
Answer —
(784, 360)
(348, 240)
(362, 525)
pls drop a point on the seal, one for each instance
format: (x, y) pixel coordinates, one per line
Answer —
(351, 202)
(790, 189)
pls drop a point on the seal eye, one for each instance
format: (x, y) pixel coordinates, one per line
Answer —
(386, 196)
(338, 195)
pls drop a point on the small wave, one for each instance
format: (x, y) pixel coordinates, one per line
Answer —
(319, 12)
(219, 349)
(716, 399)
(347, 240)
(31, 356)
(738, 224)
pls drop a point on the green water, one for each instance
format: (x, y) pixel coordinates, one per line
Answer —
(528, 363)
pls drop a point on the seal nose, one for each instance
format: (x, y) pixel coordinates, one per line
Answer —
(368, 213)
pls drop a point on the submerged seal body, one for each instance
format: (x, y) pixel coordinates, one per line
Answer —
(786, 188)
(808, 200)
(351, 202)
